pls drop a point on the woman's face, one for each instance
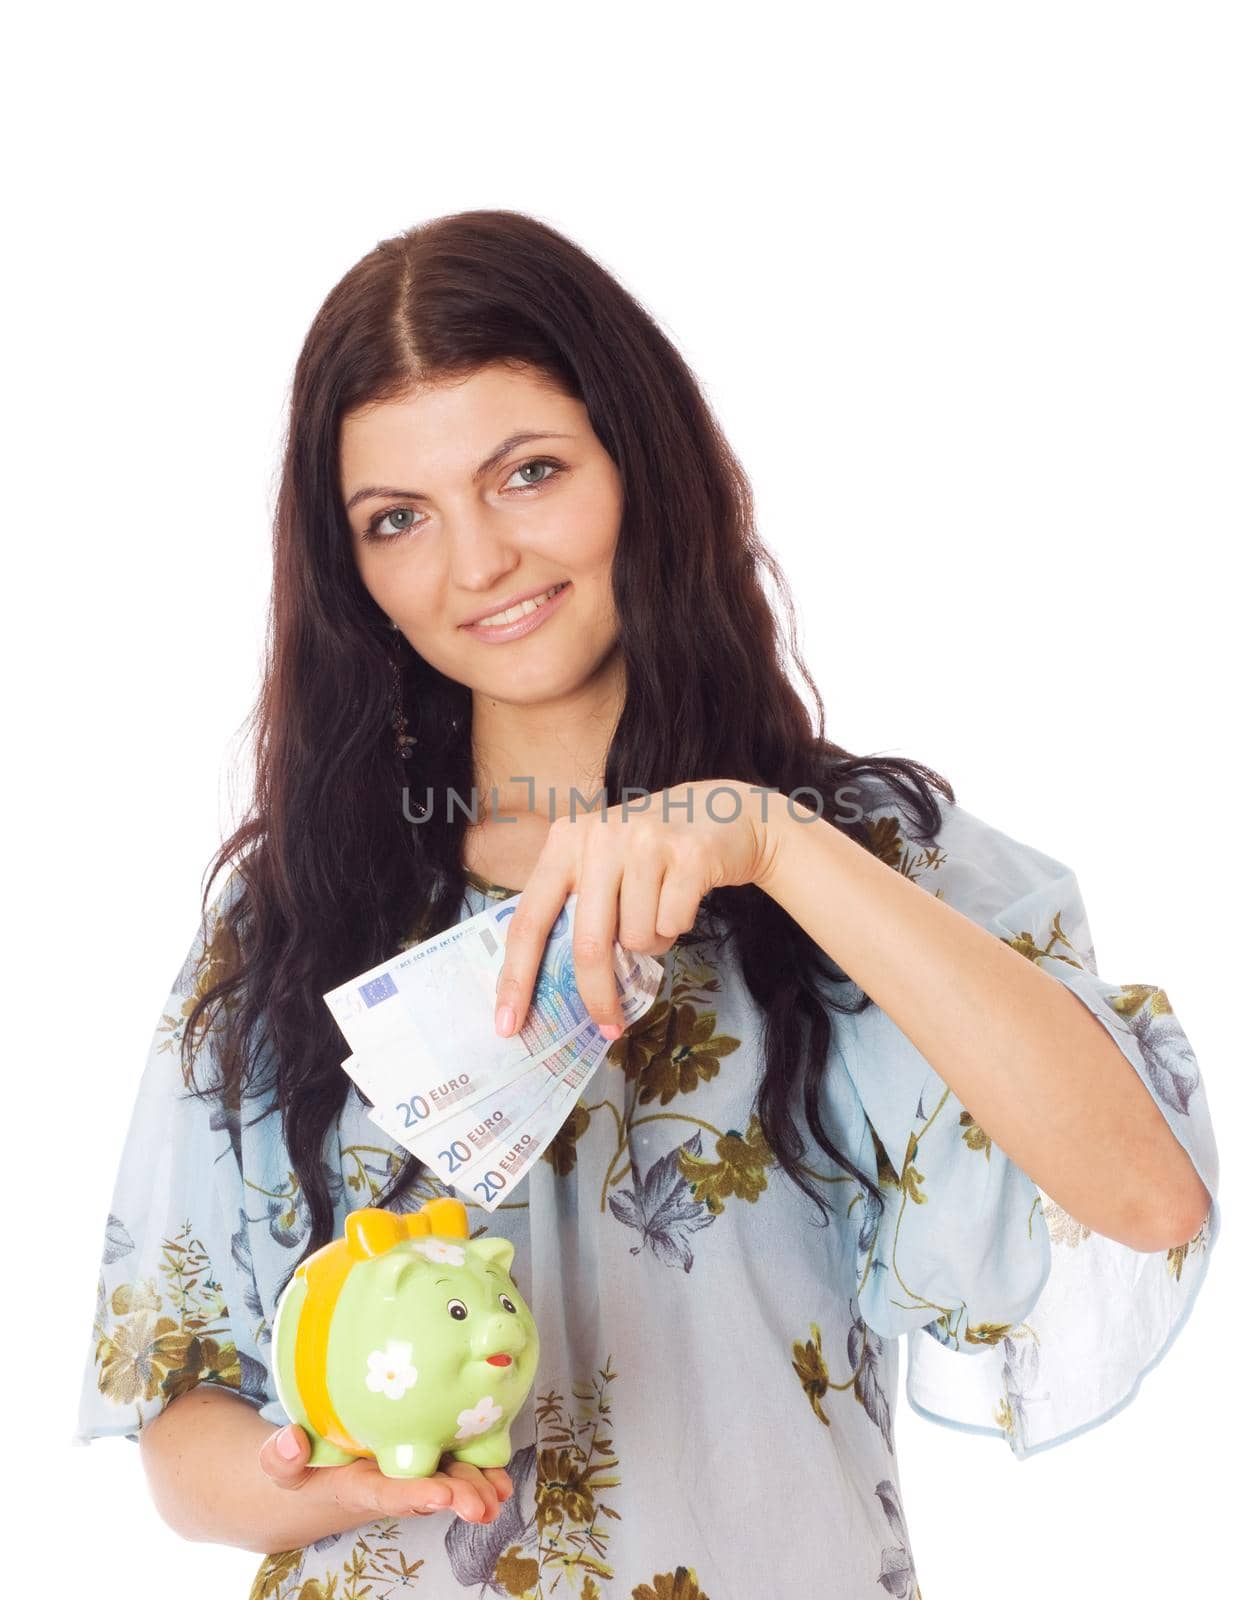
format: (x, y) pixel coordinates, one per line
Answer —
(448, 526)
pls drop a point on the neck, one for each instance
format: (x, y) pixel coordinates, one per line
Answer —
(528, 758)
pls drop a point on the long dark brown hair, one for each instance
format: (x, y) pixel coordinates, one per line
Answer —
(332, 875)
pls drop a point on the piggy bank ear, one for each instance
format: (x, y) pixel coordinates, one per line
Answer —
(396, 1266)
(498, 1252)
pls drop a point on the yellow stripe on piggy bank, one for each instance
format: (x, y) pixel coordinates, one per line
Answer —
(405, 1340)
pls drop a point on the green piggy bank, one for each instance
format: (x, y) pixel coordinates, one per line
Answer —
(405, 1340)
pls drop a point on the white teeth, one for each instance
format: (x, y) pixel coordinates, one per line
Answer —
(514, 613)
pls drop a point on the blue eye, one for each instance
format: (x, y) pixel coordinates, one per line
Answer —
(553, 465)
(375, 531)
(383, 530)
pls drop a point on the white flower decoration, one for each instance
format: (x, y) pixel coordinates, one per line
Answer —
(390, 1371)
(479, 1418)
(442, 1250)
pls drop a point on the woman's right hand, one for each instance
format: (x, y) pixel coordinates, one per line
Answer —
(475, 1495)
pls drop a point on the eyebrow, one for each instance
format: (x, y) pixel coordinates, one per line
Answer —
(371, 491)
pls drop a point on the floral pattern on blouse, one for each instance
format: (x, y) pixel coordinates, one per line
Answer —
(692, 1313)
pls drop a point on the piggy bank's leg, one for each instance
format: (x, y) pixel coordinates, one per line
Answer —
(407, 1460)
(489, 1450)
(323, 1453)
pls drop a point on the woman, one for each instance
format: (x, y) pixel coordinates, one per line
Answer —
(873, 1058)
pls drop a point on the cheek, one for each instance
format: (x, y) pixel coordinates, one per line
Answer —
(402, 585)
(583, 536)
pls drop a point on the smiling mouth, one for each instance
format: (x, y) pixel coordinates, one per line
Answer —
(516, 613)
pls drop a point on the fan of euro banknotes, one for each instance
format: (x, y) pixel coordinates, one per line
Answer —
(476, 1108)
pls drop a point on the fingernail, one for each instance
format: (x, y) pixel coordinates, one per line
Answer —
(610, 1030)
(505, 1020)
(287, 1445)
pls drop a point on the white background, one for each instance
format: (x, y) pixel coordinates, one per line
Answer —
(971, 288)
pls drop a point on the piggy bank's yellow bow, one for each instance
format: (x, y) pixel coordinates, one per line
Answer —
(373, 1230)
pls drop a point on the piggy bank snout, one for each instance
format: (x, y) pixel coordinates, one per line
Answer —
(499, 1333)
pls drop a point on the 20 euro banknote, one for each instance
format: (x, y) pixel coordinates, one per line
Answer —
(477, 1108)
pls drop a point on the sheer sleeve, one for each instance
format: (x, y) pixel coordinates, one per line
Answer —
(176, 1301)
(1022, 1322)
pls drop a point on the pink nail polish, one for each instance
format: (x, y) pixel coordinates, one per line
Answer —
(505, 1020)
(609, 1030)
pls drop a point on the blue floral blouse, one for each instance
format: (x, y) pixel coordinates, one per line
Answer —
(690, 1307)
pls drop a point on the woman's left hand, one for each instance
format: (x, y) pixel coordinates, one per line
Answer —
(639, 879)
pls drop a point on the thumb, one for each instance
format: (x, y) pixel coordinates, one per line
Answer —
(285, 1456)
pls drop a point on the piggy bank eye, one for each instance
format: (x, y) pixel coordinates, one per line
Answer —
(457, 1309)
(506, 1302)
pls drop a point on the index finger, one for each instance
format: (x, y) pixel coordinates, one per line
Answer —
(538, 913)
(441, 1490)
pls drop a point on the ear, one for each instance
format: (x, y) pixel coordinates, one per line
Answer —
(498, 1252)
(393, 1268)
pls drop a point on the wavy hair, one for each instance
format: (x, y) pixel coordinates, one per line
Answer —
(333, 877)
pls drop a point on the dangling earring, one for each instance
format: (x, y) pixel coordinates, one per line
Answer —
(403, 742)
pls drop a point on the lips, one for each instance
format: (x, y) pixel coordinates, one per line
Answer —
(500, 1360)
(506, 605)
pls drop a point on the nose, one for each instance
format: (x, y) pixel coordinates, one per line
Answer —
(502, 1335)
(481, 555)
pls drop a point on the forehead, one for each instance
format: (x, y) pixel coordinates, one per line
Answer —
(440, 432)
(443, 1272)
